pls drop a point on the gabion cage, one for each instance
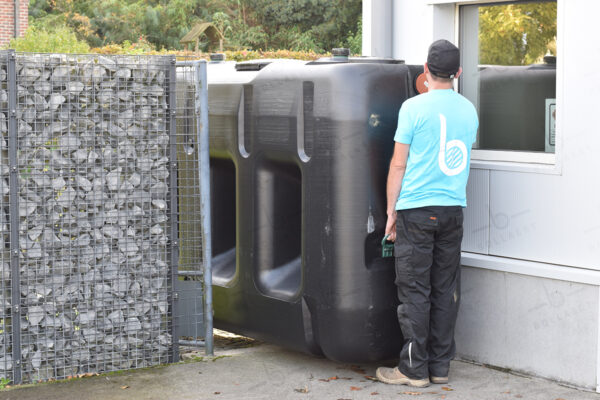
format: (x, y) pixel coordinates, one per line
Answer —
(191, 318)
(89, 216)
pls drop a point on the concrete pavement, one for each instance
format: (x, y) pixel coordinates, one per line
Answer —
(243, 369)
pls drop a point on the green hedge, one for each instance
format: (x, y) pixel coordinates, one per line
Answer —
(237, 55)
(61, 39)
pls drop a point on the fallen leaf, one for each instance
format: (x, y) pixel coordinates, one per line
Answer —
(333, 378)
(560, 398)
(345, 378)
(355, 388)
(344, 399)
(371, 378)
(302, 390)
(447, 389)
(518, 396)
(124, 387)
(358, 369)
(374, 394)
(217, 392)
(412, 393)
(443, 396)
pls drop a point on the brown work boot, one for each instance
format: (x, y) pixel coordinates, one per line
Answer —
(438, 379)
(395, 377)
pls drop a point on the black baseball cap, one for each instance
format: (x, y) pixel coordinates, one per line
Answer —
(443, 59)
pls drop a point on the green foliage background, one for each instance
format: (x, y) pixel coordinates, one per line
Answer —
(296, 25)
(513, 34)
(516, 34)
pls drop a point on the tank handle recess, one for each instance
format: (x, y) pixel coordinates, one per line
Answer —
(254, 65)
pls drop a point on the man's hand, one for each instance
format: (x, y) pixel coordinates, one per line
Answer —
(394, 186)
(390, 226)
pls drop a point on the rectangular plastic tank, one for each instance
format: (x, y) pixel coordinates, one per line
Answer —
(299, 154)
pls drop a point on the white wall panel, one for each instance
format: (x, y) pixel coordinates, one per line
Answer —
(476, 226)
(377, 28)
(413, 30)
(535, 325)
(546, 218)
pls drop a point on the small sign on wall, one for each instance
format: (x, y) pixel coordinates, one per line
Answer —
(550, 138)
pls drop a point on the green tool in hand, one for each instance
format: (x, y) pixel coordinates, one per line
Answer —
(387, 248)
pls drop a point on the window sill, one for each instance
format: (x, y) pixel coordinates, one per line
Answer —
(531, 268)
(540, 163)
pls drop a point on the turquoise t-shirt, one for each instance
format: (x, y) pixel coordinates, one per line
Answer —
(440, 126)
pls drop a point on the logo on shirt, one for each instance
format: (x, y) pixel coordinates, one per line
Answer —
(452, 158)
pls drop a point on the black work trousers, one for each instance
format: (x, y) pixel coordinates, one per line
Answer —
(427, 251)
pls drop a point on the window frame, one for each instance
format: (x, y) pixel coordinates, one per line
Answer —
(520, 161)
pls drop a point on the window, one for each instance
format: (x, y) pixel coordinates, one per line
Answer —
(509, 73)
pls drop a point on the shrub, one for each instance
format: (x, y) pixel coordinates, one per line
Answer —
(60, 39)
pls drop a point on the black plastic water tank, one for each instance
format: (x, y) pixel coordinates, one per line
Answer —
(299, 157)
(512, 105)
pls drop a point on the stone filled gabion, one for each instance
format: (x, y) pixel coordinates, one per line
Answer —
(93, 195)
(6, 363)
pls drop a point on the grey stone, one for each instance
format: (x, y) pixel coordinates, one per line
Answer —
(74, 87)
(160, 204)
(105, 96)
(107, 63)
(83, 183)
(30, 74)
(83, 240)
(144, 164)
(6, 363)
(123, 73)
(80, 156)
(69, 143)
(92, 157)
(35, 314)
(26, 207)
(86, 318)
(58, 183)
(156, 229)
(128, 247)
(35, 232)
(132, 325)
(93, 74)
(124, 95)
(61, 73)
(66, 198)
(56, 100)
(43, 87)
(112, 232)
(116, 317)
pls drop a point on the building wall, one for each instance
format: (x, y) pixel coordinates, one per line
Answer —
(530, 226)
(7, 19)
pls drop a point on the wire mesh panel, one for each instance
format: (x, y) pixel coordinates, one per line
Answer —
(94, 213)
(6, 358)
(191, 319)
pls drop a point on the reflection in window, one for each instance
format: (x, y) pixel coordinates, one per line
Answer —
(510, 73)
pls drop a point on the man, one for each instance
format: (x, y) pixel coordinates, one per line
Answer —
(426, 191)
